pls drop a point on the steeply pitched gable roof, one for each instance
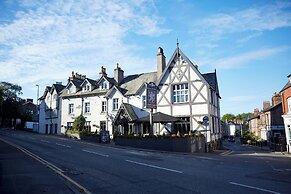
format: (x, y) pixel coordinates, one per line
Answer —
(58, 88)
(212, 80)
(47, 89)
(91, 81)
(288, 85)
(77, 82)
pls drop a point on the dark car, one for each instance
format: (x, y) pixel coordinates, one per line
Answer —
(231, 139)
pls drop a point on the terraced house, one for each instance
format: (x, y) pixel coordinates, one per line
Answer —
(50, 109)
(118, 103)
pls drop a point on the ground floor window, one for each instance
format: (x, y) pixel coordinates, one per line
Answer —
(69, 125)
(102, 125)
(87, 126)
(184, 126)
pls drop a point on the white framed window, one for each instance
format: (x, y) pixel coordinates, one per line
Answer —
(69, 125)
(180, 93)
(144, 98)
(104, 106)
(115, 104)
(71, 108)
(289, 104)
(87, 126)
(102, 125)
(87, 107)
(48, 98)
(70, 89)
(103, 85)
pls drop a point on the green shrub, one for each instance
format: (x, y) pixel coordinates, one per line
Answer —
(79, 123)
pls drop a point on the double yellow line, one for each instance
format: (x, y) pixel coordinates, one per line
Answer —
(80, 188)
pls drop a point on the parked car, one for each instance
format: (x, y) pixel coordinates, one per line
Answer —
(231, 139)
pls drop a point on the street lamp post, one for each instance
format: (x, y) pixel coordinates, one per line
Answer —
(37, 96)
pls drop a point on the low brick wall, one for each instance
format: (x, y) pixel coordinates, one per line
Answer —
(189, 144)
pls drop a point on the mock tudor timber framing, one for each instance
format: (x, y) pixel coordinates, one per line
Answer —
(178, 71)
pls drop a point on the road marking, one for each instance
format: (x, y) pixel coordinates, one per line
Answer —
(139, 153)
(49, 165)
(152, 166)
(252, 187)
(277, 169)
(206, 158)
(96, 153)
(67, 146)
(44, 141)
(226, 153)
(31, 138)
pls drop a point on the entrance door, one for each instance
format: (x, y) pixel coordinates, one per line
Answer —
(56, 128)
(51, 128)
(46, 129)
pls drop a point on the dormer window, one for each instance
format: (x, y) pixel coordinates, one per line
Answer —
(103, 85)
(70, 89)
(86, 88)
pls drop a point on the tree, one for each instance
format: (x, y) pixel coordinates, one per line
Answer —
(10, 91)
(79, 123)
(228, 117)
(10, 103)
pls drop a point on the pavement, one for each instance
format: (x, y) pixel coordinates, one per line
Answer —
(21, 173)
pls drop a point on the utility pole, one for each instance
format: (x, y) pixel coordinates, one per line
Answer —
(37, 104)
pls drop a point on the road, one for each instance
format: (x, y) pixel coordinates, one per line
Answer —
(98, 168)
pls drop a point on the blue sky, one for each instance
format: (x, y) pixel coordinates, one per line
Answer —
(247, 42)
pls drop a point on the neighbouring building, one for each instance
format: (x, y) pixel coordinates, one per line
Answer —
(29, 109)
(286, 104)
(268, 123)
(50, 110)
(117, 104)
(234, 128)
(254, 123)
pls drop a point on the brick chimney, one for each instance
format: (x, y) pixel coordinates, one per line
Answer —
(276, 99)
(161, 62)
(102, 72)
(266, 104)
(118, 74)
(256, 111)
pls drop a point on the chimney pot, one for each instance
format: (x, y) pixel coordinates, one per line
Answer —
(276, 99)
(102, 71)
(118, 74)
(266, 104)
(161, 62)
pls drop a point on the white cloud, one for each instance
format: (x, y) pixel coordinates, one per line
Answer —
(48, 39)
(245, 98)
(243, 59)
(254, 20)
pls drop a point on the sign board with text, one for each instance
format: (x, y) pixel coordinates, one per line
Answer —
(151, 95)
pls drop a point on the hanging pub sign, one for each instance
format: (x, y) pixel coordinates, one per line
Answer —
(151, 95)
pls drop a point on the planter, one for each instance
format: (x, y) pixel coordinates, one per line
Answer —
(188, 144)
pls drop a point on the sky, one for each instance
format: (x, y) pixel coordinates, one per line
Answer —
(247, 42)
